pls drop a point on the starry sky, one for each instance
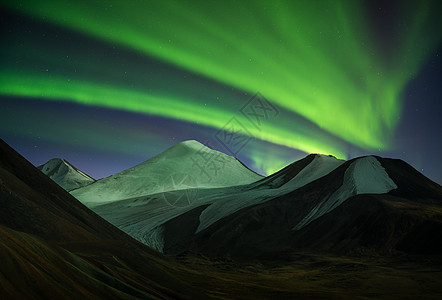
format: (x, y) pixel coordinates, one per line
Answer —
(109, 84)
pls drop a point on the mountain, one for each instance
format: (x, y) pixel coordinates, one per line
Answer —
(185, 165)
(143, 217)
(65, 174)
(366, 204)
(53, 247)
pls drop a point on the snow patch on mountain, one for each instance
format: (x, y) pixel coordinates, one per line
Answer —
(364, 176)
(186, 165)
(371, 178)
(65, 174)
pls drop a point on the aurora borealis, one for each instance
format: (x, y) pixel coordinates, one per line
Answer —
(337, 71)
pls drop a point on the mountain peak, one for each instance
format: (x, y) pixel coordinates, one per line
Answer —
(188, 146)
(324, 155)
(189, 160)
(56, 159)
(191, 143)
(65, 174)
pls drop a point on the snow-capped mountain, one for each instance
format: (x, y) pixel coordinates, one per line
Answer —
(363, 176)
(65, 174)
(143, 217)
(366, 203)
(187, 166)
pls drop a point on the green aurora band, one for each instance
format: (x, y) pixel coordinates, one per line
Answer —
(178, 108)
(316, 58)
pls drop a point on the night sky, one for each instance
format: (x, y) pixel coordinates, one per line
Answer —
(109, 84)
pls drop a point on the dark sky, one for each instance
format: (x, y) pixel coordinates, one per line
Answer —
(109, 84)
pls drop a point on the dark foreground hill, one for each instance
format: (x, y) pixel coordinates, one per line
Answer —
(55, 247)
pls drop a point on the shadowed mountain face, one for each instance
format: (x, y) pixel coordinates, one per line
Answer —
(55, 247)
